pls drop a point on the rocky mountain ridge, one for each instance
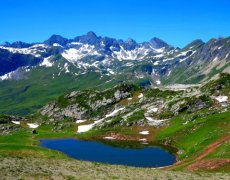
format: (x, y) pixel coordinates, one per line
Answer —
(129, 105)
(110, 56)
(58, 65)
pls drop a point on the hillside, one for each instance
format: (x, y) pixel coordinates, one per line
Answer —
(32, 74)
(192, 123)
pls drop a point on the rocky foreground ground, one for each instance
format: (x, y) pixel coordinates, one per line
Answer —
(34, 168)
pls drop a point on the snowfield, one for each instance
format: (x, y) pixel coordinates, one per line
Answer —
(46, 62)
(80, 121)
(74, 54)
(141, 95)
(35, 50)
(85, 128)
(114, 112)
(16, 122)
(32, 125)
(222, 99)
(152, 110)
(6, 76)
(144, 132)
(109, 138)
(154, 122)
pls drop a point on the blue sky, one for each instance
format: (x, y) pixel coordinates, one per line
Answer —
(176, 21)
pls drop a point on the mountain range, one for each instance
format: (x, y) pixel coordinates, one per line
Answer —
(46, 69)
(123, 94)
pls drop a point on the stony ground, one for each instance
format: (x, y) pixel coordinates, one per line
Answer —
(34, 168)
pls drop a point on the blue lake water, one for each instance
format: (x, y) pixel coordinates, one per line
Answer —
(147, 156)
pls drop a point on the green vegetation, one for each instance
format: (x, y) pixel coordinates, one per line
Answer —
(24, 144)
(34, 168)
(3, 119)
(157, 93)
(165, 115)
(195, 123)
(23, 97)
(221, 152)
(193, 136)
(222, 85)
(137, 116)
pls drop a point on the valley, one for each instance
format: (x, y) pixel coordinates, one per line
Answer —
(49, 69)
(192, 123)
(118, 89)
(93, 98)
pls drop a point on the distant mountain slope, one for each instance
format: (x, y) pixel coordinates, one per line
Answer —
(57, 65)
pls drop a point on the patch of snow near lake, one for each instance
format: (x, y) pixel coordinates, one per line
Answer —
(185, 122)
(85, 128)
(155, 122)
(144, 142)
(141, 95)
(32, 125)
(222, 99)
(143, 139)
(16, 122)
(144, 132)
(80, 121)
(109, 138)
(152, 110)
(114, 112)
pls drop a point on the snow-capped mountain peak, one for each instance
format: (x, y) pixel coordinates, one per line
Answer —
(154, 59)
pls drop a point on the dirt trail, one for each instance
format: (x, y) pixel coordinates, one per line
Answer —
(212, 147)
(209, 149)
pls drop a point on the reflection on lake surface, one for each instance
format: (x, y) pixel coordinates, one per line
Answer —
(145, 156)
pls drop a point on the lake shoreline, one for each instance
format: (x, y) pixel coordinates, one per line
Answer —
(111, 149)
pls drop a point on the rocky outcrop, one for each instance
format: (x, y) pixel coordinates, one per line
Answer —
(85, 104)
(6, 125)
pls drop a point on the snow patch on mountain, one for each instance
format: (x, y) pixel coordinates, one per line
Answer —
(222, 98)
(74, 54)
(57, 45)
(158, 82)
(35, 50)
(17, 74)
(6, 76)
(46, 62)
(137, 53)
(66, 68)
